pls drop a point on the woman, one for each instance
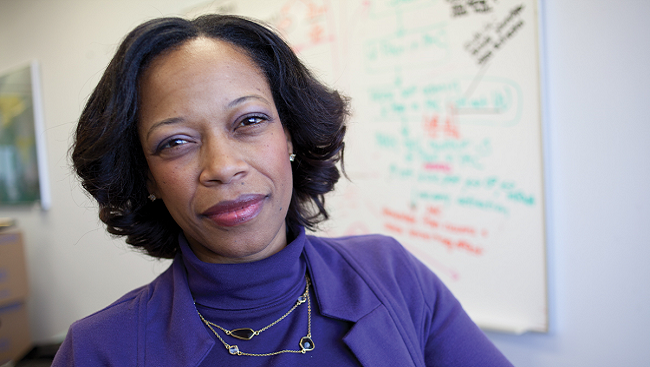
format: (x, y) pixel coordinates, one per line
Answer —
(208, 142)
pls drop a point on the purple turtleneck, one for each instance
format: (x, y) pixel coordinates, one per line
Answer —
(253, 295)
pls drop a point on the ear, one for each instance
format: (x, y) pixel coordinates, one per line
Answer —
(152, 187)
(289, 142)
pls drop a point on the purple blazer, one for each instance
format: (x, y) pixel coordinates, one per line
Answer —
(401, 312)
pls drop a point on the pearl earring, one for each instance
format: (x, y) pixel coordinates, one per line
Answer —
(292, 157)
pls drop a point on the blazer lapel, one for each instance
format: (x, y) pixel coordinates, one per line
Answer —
(376, 342)
(175, 334)
(343, 294)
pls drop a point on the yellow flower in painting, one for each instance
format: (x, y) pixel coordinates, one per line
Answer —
(10, 107)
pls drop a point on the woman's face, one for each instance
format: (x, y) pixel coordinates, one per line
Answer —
(217, 151)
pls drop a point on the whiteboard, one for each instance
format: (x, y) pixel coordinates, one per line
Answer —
(444, 148)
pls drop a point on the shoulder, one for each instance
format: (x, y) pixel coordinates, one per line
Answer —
(364, 250)
(385, 265)
(430, 318)
(372, 253)
(114, 316)
(396, 277)
(110, 336)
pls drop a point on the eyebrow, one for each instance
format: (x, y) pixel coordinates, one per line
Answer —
(243, 99)
(169, 121)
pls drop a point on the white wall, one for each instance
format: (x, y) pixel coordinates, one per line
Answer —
(598, 147)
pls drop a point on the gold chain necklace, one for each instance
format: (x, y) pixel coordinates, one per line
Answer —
(306, 343)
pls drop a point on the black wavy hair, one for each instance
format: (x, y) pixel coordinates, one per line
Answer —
(108, 157)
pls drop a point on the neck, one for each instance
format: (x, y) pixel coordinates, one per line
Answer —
(246, 285)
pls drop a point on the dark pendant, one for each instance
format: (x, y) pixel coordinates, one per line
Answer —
(243, 333)
(306, 344)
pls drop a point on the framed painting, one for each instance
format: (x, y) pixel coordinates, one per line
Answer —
(22, 158)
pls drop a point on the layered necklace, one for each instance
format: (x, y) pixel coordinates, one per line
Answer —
(306, 343)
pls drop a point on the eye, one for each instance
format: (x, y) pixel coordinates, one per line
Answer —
(171, 143)
(253, 120)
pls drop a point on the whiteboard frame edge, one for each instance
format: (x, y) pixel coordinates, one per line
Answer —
(545, 153)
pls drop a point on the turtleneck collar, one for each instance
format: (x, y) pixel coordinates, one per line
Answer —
(247, 285)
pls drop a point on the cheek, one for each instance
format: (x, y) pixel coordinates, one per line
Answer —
(170, 178)
(285, 172)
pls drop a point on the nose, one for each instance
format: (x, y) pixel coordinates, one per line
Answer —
(221, 162)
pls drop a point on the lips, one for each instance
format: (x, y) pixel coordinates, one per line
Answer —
(231, 213)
